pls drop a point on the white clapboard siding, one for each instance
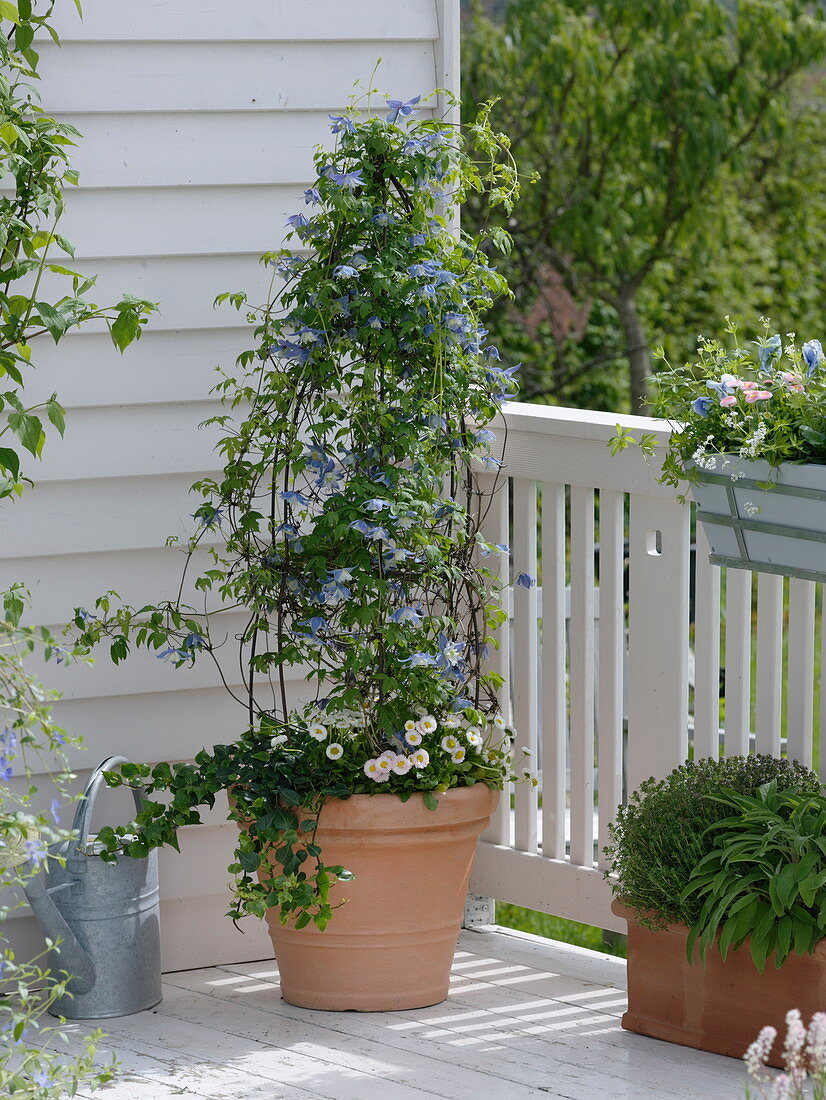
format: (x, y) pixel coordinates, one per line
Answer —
(229, 76)
(164, 366)
(244, 20)
(198, 124)
(184, 222)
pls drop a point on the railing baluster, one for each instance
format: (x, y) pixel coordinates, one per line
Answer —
(769, 669)
(554, 703)
(611, 659)
(582, 676)
(706, 652)
(496, 530)
(800, 694)
(525, 659)
(738, 661)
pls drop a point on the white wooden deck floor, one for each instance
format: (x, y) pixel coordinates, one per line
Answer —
(526, 1018)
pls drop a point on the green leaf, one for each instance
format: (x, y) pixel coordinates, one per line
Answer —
(250, 861)
(9, 11)
(56, 415)
(10, 460)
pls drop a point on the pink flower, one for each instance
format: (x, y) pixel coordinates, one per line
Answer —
(726, 402)
(757, 395)
(747, 384)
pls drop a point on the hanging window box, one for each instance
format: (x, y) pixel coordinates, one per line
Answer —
(771, 519)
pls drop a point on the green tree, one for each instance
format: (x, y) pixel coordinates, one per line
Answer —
(638, 118)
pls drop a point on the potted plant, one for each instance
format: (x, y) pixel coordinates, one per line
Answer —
(720, 868)
(350, 511)
(750, 438)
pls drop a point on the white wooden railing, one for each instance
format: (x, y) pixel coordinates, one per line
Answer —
(598, 654)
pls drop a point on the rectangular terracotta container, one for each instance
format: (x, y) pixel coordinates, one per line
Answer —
(719, 1007)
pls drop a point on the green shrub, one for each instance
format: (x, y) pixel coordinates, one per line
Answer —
(765, 878)
(661, 835)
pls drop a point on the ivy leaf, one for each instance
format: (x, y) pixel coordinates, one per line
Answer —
(9, 11)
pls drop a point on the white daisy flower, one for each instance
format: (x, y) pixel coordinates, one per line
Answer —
(318, 731)
(413, 737)
(499, 722)
(451, 722)
(420, 758)
(458, 755)
(386, 761)
(474, 737)
(428, 724)
(402, 765)
(449, 743)
(334, 751)
(409, 725)
(374, 771)
(279, 739)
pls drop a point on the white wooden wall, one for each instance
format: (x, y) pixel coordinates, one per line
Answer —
(199, 119)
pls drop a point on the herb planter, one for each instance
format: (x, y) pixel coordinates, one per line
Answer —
(719, 1007)
(768, 518)
(390, 945)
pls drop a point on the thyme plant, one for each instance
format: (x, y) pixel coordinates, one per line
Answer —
(351, 510)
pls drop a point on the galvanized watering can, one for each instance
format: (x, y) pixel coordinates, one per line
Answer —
(106, 918)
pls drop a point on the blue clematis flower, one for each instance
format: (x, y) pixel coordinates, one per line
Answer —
(345, 179)
(813, 356)
(292, 496)
(768, 352)
(374, 322)
(312, 194)
(403, 107)
(407, 615)
(702, 405)
(209, 515)
(333, 592)
(524, 580)
(345, 271)
(383, 218)
(296, 221)
(420, 660)
(377, 504)
(416, 240)
(341, 124)
(54, 810)
(193, 641)
(485, 436)
(313, 627)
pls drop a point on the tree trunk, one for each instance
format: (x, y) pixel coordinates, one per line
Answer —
(636, 348)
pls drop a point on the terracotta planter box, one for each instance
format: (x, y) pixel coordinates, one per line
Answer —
(719, 1007)
(391, 945)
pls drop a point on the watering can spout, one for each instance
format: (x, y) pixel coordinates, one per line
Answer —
(74, 960)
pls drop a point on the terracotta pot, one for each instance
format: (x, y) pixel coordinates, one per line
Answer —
(391, 945)
(719, 1007)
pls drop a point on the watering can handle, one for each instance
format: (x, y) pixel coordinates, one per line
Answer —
(86, 805)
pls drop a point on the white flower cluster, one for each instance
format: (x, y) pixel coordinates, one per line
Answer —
(455, 743)
(804, 1056)
(701, 458)
(752, 445)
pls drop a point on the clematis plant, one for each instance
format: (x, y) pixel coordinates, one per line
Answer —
(351, 509)
(757, 399)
